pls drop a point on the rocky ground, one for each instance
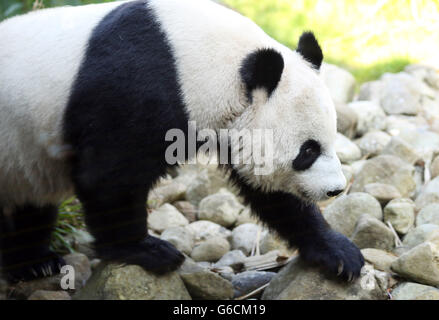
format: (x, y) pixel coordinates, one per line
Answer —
(388, 143)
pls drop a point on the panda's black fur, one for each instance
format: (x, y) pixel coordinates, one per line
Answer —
(118, 113)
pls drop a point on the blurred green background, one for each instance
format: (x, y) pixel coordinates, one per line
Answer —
(368, 37)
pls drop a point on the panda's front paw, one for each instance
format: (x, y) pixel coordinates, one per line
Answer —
(335, 253)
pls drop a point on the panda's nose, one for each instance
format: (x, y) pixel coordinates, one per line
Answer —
(334, 193)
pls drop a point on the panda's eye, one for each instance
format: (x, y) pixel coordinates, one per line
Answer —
(309, 152)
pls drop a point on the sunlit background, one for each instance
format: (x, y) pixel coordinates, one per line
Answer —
(368, 37)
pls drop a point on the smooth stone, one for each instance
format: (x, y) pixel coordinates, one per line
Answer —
(167, 216)
(341, 83)
(346, 120)
(370, 116)
(244, 237)
(249, 281)
(372, 233)
(428, 215)
(414, 291)
(344, 212)
(234, 259)
(187, 209)
(373, 142)
(382, 192)
(204, 230)
(222, 208)
(181, 237)
(401, 214)
(210, 250)
(401, 149)
(346, 150)
(420, 234)
(380, 259)
(420, 264)
(428, 195)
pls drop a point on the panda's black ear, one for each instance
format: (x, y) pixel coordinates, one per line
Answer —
(262, 69)
(309, 48)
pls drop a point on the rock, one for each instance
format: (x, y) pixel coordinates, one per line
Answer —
(344, 212)
(49, 295)
(81, 266)
(382, 192)
(400, 94)
(246, 217)
(414, 291)
(244, 237)
(434, 168)
(198, 185)
(346, 120)
(82, 242)
(168, 190)
(420, 234)
(181, 237)
(424, 73)
(234, 259)
(298, 281)
(341, 83)
(429, 214)
(372, 233)
(357, 166)
(210, 250)
(398, 123)
(399, 148)
(249, 281)
(388, 170)
(167, 216)
(187, 209)
(370, 116)
(373, 142)
(420, 264)
(132, 282)
(429, 194)
(401, 214)
(424, 142)
(380, 259)
(346, 150)
(222, 208)
(204, 230)
(348, 172)
(204, 284)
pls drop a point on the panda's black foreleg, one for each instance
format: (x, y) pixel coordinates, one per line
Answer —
(115, 214)
(25, 238)
(304, 227)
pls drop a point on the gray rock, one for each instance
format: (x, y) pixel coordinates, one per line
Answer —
(244, 237)
(373, 142)
(298, 281)
(270, 241)
(187, 209)
(340, 82)
(181, 237)
(399, 148)
(388, 170)
(132, 282)
(428, 215)
(249, 281)
(49, 295)
(348, 172)
(168, 190)
(424, 141)
(222, 208)
(424, 73)
(346, 120)
(234, 259)
(414, 291)
(429, 194)
(346, 150)
(420, 234)
(401, 214)
(204, 284)
(357, 166)
(396, 124)
(210, 250)
(167, 216)
(380, 259)
(370, 116)
(420, 264)
(204, 230)
(382, 192)
(198, 183)
(372, 233)
(344, 212)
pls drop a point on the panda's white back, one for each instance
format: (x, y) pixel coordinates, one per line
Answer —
(39, 60)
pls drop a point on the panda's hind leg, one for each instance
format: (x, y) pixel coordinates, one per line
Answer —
(25, 234)
(114, 202)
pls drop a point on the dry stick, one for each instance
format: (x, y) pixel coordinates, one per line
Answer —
(248, 295)
(398, 242)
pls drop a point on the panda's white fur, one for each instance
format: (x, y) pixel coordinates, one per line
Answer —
(209, 43)
(40, 57)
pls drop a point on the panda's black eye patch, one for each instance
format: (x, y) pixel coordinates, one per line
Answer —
(309, 152)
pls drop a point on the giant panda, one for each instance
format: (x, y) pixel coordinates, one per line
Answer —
(88, 93)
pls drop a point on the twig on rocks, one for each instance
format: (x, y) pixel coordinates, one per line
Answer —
(254, 292)
(398, 242)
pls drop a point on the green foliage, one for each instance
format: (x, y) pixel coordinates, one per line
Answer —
(70, 219)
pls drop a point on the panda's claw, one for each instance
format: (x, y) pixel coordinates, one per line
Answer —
(335, 253)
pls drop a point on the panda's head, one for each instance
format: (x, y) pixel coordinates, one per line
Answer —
(286, 95)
